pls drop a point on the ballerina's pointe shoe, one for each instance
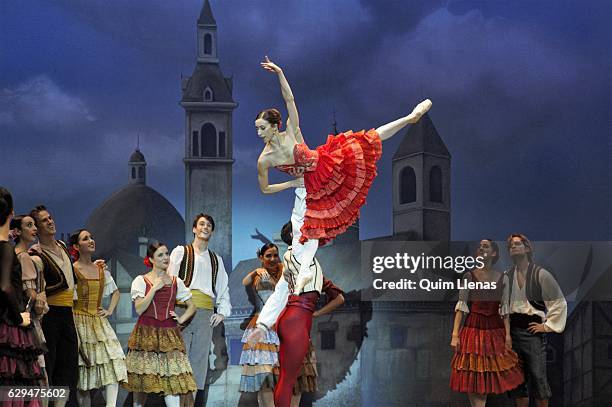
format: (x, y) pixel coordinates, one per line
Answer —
(420, 110)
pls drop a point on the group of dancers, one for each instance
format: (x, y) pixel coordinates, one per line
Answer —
(54, 330)
(501, 345)
(185, 294)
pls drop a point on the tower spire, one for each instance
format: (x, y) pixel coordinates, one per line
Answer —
(206, 15)
(207, 35)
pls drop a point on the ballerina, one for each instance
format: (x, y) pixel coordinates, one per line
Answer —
(336, 175)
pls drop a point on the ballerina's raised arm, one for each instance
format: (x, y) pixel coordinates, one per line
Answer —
(293, 122)
(279, 146)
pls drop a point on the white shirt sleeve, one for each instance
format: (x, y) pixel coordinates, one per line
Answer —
(275, 304)
(464, 294)
(182, 292)
(176, 257)
(109, 284)
(556, 306)
(139, 288)
(504, 308)
(224, 307)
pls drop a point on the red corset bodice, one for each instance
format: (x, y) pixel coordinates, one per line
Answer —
(305, 160)
(486, 302)
(163, 301)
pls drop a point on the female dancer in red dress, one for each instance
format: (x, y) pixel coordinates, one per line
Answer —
(336, 177)
(156, 359)
(19, 348)
(484, 362)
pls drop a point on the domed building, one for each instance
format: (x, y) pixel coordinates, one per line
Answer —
(133, 212)
(123, 226)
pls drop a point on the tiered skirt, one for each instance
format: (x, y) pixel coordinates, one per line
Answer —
(19, 351)
(156, 359)
(339, 185)
(260, 365)
(482, 364)
(98, 343)
(260, 368)
(19, 361)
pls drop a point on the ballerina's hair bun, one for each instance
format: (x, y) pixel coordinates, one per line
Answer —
(272, 116)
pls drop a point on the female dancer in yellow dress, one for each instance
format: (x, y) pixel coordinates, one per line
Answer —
(101, 358)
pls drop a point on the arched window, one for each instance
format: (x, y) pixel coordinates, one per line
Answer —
(140, 172)
(407, 185)
(435, 184)
(195, 144)
(208, 94)
(208, 44)
(209, 140)
(133, 172)
(221, 144)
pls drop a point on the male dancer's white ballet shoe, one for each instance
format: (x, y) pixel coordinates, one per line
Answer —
(419, 111)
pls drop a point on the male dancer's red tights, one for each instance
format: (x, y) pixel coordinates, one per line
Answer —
(293, 330)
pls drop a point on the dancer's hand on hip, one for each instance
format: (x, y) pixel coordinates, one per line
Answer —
(216, 319)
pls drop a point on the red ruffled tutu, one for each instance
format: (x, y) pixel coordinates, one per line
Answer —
(337, 178)
(482, 364)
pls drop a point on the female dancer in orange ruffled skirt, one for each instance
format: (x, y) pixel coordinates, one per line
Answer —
(336, 177)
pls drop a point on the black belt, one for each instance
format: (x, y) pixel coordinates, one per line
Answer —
(523, 320)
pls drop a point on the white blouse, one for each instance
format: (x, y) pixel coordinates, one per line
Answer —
(139, 288)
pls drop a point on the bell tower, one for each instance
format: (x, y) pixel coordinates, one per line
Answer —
(421, 184)
(209, 105)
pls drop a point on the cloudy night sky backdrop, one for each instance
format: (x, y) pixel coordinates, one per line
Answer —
(521, 92)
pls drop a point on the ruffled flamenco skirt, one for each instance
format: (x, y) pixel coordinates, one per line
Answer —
(260, 365)
(337, 187)
(99, 344)
(260, 368)
(19, 351)
(482, 364)
(156, 360)
(307, 380)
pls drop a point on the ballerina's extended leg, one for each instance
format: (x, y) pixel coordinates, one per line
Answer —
(387, 131)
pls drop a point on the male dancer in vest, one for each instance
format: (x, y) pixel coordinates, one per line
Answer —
(204, 273)
(293, 326)
(62, 359)
(537, 306)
